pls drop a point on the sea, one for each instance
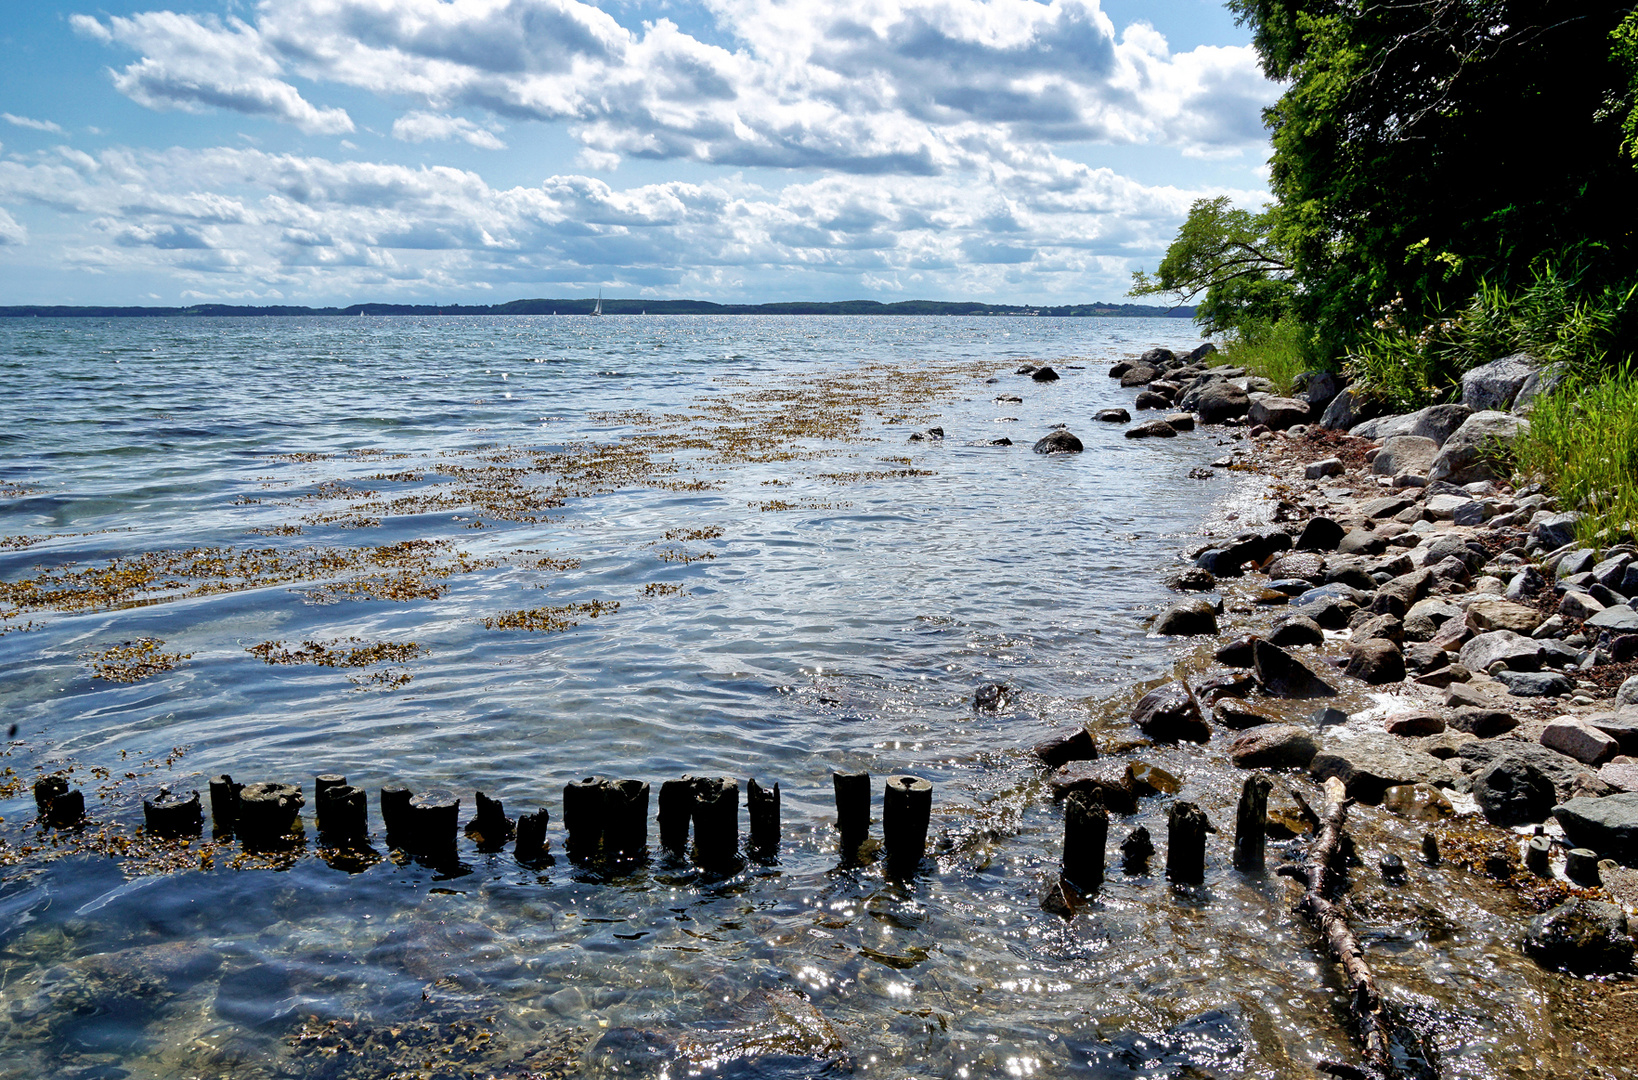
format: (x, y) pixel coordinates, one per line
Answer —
(503, 554)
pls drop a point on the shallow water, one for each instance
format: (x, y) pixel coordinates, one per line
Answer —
(827, 598)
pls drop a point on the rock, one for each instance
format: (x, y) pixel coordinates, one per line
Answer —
(1237, 653)
(1225, 684)
(1496, 384)
(1555, 530)
(1294, 631)
(1363, 542)
(1071, 744)
(1193, 579)
(1002, 441)
(1620, 775)
(1284, 676)
(1107, 778)
(1159, 357)
(1539, 384)
(1152, 429)
(1536, 683)
(1423, 657)
(1059, 442)
(1451, 570)
(1609, 825)
(1189, 617)
(932, 434)
(1621, 725)
(1586, 744)
(1370, 763)
(1387, 627)
(1514, 791)
(1405, 454)
(1277, 413)
(1308, 565)
(1386, 507)
(1573, 562)
(1568, 776)
(1483, 722)
(1044, 374)
(1628, 693)
(1169, 714)
(1273, 746)
(992, 697)
(1436, 422)
(1443, 507)
(1318, 389)
(1375, 662)
(1525, 584)
(1200, 352)
(1403, 592)
(1347, 410)
(1322, 468)
(1237, 715)
(1612, 571)
(1419, 802)
(1587, 937)
(1180, 421)
(1220, 401)
(1113, 416)
(1578, 605)
(1513, 651)
(1139, 374)
(1494, 613)
(1150, 399)
(1415, 725)
(1320, 534)
(1469, 454)
(1620, 620)
(1254, 547)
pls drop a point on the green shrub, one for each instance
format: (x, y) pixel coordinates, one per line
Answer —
(1583, 442)
(1278, 350)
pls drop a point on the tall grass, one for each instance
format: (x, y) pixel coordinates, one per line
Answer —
(1583, 441)
(1278, 351)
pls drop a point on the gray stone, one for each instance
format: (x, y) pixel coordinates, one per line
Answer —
(1278, 413)
(1441, 507)
(1493, 613)
(1536, 683)
(1386, 507)
(1370, 763)
(1181, 421)
(1348, 409)
(1437, 422)
(1495, 385)
(1297, 630)
(1621, 725)
(1363, 542)
(1386, 627)
(1628, 693)
(1322, 468)
(1471, 512)
(1320, 534)
(1482, 722)
(1470, 453)
(1187, 618)
(1622, 620)
(1318, 389)
(1273, 746)
(1620, 775)
(1612, 571)
(1375, 661)
(1538, 385)
(1282, 675)
(1308, 565)
(1578, 605)
(1151, 429)
(1576, 561)
(1139, 374)
(1608, 825)
(1405, 454)
(1170, 714)
(1525, 584)
(1583, 742)
(1152, 399)
(1566, 774)
(1059, 442)
(1513, 651)
(1219, 401)
(1586, 937)
(1513, 790)
(1555, 530)
(1113, 416)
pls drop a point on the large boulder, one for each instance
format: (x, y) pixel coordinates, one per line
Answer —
(1059, 442)
(1139, 374)
(1587, 937)
(1538, 385)
(1219, 401)
(1568, 776)
(1496, 384)
(1348, 409)
(1515, 652)
(1375, 661)
(1513, 790)
(1282, 675)
(1474, 451)
(1273, 746)
(1436, 422)
(1371, 762)
(1170, 714)
(1187, 618)
(1405, 454)
(1609, 825)
(1318, 389)
(1494, 613)
(1278, 413)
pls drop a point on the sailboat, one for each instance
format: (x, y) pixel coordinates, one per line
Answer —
(598, 310)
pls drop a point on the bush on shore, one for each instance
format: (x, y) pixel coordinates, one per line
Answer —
(1583, 443)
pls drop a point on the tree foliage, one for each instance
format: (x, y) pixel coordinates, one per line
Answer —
(1228, 255)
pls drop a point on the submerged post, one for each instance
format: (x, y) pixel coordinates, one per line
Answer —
(1086, 839)
(267, 813)
(763, 804)
(1250, 829)
(676, 810)
(907, 806)
(716, 822)
(1186, 829)
(170, 815)
(531, 836)
(434, 817)
(224, 803)
(343, 819)
(490, 828)
(625, 820)
(583, 817)
(1135, 851)
(395, 814)
(852, 808)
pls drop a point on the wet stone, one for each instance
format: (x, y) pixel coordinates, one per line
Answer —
(1273, 746)
(1169, 714)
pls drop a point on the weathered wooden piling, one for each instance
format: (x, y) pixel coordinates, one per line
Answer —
(1581, 866)
(1430, 849)
(1135, 851)
(172, 814)
(531, 843)
(267, 813)
(583, 816)
(1086, 839)
(67, 809)
(625, 820)
(1536, 856)
(1186, 829)
(343, 814)
(490, 828)
(852, 808)
(716, 822)
(46, 791)
(763, 805)
(322, 783)
(224, 804)
(395, 800)
(1250, 824)
(434, 819)
(676, 811)
(907, 807)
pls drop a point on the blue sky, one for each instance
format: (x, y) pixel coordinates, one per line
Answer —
(332, 151)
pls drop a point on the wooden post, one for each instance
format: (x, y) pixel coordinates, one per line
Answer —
(1086, 838)
(395, 814)
(267, 814)
(322, 783)
(1536, 856)
(224, 804)
(490, 828)
(67, 809)
(1430, 849)
(763, 804)
(583, 817)
(1581, 866)
(676, 811)
(342, 814)
(852, 808)
(531, 837)
(716, 822)
(434, 819)
(1186, 829)
(907, 807)
(1135, 851)
(625, 820)
(172, 815)
(46, 790)
(1250, 818)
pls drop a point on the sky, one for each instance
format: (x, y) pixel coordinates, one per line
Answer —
(476, 151)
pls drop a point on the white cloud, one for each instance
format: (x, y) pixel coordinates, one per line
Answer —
(29, 122)
(425, 126)
(12, 233)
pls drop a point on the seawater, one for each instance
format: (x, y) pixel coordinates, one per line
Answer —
(800, 589)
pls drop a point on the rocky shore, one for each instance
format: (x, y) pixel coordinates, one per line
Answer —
(1482, 658)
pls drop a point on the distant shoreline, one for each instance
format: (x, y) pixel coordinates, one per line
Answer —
(610, 307)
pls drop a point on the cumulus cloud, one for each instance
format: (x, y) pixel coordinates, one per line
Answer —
(29, 122)
(426, 126)
(12, 233)
(864, 86)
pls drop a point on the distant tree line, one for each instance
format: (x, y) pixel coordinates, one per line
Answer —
(613, 307)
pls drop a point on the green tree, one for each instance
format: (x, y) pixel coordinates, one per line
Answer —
(1226, 258)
